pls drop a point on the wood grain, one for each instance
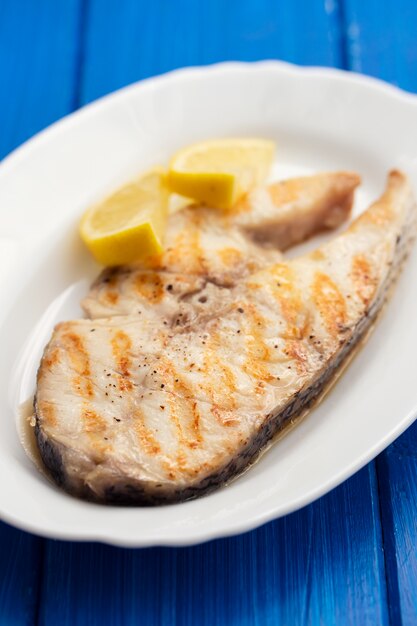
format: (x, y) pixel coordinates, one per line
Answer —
(321, 565)
(381, 39)
(38, 60)
(382, 42)
(20, 576)
(134, 39)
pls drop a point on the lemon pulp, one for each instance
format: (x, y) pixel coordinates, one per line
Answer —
(219, 172)
(129, 225)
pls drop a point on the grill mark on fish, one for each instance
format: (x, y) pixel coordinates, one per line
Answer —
(144, 434)
(187, 246)
(295, 350)
(93, 421)
(363, 278)
(257, 352)
(290, 300)
(95, 427)
(150, 287)
(244, 205)
(76, 350)
(124, 384)
(329, 302)
(196, 427)
(186, 392)
(49, 414)
(187, 407)
(112, 297)
(380, 216)
(284, 192)
(230, 256)
(169, 469)
(178, 393)
(221, 390)
(121, 348)
(173, 406)
(53, 358)
(156, 262)
(317, 255)
(109, 277)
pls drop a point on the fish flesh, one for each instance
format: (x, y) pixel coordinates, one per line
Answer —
(205, 246)
(133, 411)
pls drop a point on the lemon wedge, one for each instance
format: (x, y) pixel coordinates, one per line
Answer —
(219, 172)
(129, 225)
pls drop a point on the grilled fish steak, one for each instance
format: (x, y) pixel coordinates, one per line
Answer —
(206, 246)
(132, 411)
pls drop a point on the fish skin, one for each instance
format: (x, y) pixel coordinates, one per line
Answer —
(208, 246)
(190, 406)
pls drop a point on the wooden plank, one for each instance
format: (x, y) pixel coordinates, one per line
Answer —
(397, 475)
(131, 40)
(20, 576)
(382, 43)
(38, 57)
(321, 565)
(381, 39)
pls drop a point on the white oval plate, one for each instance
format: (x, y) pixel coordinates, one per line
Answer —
(321, 119)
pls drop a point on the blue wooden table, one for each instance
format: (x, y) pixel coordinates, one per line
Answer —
(351, 557)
